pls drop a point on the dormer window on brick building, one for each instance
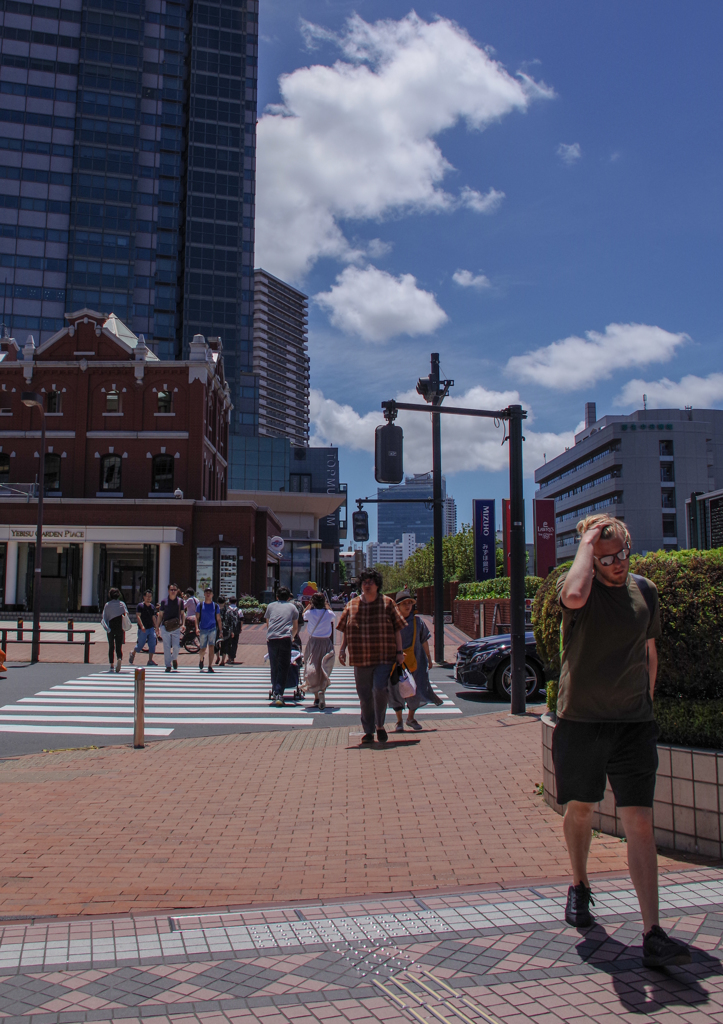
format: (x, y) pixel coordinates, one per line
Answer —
(113, 401)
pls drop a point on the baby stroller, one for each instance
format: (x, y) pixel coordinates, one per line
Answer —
(294, 676)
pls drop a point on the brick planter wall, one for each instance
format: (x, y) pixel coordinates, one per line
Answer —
(425, 598)
(467, 615)
(688, 797)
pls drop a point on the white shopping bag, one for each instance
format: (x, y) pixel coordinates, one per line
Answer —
(407, 686)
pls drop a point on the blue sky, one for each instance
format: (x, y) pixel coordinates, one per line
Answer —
(514, 175)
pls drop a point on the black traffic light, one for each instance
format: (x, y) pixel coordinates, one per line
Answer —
(360, 526)
(389, 454)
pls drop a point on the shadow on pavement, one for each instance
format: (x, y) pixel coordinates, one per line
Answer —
(642, 989)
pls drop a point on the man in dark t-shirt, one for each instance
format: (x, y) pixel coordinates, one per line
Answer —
(606, 727)
(146, 619)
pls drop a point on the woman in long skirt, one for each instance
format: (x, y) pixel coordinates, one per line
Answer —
(319, 652)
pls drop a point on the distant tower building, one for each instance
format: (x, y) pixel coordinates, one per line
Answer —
(450, 517)
(409, 545)
(280, 358)
(395, 518)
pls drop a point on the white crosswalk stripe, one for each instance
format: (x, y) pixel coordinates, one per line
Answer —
(102, 703)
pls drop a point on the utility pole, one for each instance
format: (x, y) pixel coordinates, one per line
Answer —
(517, 566)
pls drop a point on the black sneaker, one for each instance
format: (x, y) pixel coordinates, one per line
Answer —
(382, 735)
(577, 908)
(659, 950)
(131, 657)
(168, 669)
(175, 666)
(210, 669)
(368, 737)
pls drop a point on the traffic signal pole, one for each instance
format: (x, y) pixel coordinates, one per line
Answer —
(437, 513)
(435, 391)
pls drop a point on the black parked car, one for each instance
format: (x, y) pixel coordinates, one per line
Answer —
(484, 664)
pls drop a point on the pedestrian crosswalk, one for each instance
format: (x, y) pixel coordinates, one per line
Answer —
(101, 704)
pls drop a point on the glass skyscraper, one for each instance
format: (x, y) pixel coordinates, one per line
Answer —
(127, 171)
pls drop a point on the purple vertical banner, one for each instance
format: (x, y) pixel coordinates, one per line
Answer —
(483, 512)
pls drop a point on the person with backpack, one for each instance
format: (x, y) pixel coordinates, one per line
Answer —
(236, 630)
(115, 621)
(208, 625)
(169, 621)
(610, 622)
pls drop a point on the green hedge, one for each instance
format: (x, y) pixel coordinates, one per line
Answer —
(498, 587)
(689, 690)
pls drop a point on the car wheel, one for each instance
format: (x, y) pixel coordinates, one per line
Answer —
(503, 680)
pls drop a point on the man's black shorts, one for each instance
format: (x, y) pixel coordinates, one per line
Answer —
(585, 752)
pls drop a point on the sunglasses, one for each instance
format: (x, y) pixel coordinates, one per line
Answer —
(622, 556)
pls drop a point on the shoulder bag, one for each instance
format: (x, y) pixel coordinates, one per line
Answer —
(170, 625)
(410, 658)
(126, 621)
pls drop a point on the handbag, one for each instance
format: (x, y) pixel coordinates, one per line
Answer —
(410, 659)
(170, 625)
(126, 620)
(407, 686)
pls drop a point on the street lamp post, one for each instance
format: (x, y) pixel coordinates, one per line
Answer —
(32, 399)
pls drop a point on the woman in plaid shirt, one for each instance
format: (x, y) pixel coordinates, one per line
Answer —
(371, 626)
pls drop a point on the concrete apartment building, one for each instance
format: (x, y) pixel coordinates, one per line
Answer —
(450, 516)
(280, 360)
(640, 467)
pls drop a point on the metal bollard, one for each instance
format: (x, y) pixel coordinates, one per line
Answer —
(70, 631)
(20, 631)
(139, 709)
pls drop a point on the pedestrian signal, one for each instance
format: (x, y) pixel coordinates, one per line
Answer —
(389, 454)
(360, 525)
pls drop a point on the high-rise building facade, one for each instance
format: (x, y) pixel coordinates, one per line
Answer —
(280, 359)
(128, 159)
(395, 518)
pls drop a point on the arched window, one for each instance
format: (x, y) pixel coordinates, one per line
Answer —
(165, 401)
(52, 401)
(162, 474)
(110, 473)
(52, 472)
(113, 401)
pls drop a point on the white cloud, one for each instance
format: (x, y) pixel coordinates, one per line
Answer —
(488, 202)
(355, 140)
(377, 306)
(467, 443)
(466, 279)
(569, 154)
(700, 392)
(575, 363)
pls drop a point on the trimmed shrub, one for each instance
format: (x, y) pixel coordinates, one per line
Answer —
(691, 723)
(498, 587)
(546, 618)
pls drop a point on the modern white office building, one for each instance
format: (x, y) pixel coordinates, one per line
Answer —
(450, 516)
(640, 467)
(393, 553)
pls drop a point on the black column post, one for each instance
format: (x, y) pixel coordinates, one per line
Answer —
(517, 564)
(38, 580)
(438, 528)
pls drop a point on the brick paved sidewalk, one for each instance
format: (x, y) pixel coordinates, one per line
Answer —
(278, 816)
(493, 956)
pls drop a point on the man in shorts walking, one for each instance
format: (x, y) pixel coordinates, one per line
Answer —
(610, 621)
(208, 624)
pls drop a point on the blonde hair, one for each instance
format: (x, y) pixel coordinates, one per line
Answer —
(613, 527)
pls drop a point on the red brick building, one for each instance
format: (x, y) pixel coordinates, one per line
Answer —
(136, 471)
